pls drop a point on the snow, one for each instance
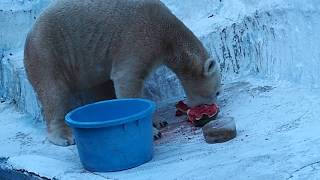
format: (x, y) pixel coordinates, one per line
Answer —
(269, 57)
(277, 139)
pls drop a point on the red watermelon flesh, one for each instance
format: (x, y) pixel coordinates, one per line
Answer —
(182, 108)
(202, 111)
(198, 112)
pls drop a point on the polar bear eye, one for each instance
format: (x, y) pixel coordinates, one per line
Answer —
(211, 65)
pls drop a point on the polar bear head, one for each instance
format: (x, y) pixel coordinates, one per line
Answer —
(201, 81)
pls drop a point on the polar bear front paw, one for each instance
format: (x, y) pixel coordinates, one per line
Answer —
(59, 140)
(159, 122)
(156, 134)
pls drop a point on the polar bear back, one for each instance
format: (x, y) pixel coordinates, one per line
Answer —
(83, 35)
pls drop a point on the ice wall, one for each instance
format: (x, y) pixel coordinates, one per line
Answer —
(280, 44)
(14, 85)
(16, 18)
(272, 39)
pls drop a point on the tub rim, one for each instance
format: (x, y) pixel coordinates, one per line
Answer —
(136, 116)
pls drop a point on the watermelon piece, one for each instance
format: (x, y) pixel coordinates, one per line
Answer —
(179, 113)
(181, 106)
(199, 115)
(202, 122)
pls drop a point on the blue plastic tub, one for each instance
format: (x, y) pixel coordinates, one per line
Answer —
(113, 135)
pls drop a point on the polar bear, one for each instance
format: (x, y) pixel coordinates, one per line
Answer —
(84, 51)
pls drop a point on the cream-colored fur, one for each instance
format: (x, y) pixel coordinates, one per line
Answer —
(84, 51)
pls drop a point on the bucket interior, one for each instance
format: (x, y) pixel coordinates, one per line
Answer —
(109, 110)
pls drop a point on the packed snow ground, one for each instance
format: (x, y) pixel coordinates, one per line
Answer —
(278, 138)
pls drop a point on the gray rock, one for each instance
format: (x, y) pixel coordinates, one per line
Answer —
(220, 130)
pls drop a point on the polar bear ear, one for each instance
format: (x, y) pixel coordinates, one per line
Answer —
(209, 67)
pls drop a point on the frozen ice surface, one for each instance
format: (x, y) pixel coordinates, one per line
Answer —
(277, 139)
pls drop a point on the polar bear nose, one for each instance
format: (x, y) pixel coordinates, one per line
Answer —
(217, 94)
